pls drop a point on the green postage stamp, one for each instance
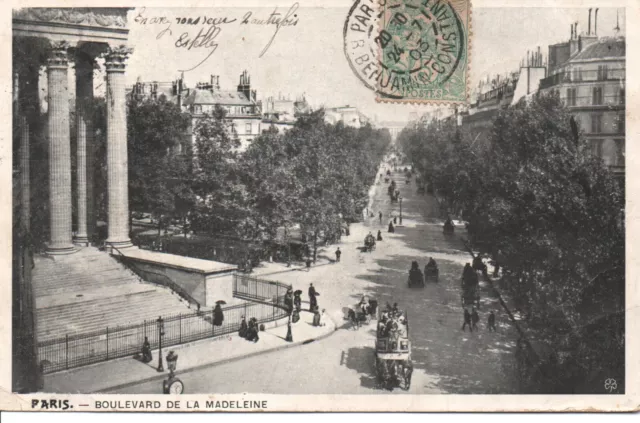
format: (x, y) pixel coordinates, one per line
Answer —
(410, 50)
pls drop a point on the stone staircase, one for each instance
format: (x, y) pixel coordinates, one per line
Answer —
(90, 290)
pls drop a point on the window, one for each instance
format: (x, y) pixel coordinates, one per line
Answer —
(602, 72)
(198, 109)
(571, 96)
(596, 148)
(596, 123)
(597, 96)
(621, 96)
(620, 123)
(576, 74)
(248, 128)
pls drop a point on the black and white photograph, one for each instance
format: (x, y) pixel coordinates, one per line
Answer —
(350, 205)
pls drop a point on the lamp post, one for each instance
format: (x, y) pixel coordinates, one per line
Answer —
(400, 210)
(289, 337)
(160, 335)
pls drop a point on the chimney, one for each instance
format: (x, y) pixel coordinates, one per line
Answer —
(539, 57)
(589, 30)
(595, 24)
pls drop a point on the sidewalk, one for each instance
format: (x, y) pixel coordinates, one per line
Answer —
(120, 373)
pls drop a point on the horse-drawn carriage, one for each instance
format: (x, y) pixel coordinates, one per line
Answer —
(393, 352)
(362, 312)
(369, 243)
(416, 278)
(470, 292)
(431, 272)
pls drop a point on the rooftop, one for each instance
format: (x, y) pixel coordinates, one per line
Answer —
(232, 98)
(604, 48)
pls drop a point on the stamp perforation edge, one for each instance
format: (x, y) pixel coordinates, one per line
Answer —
(426, 102)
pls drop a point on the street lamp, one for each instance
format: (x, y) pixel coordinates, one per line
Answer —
(289, 337)
(160, 323)
(400, 210)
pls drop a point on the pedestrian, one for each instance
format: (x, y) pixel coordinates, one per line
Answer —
(243, 328)
(288, 300)
(380, 216)
(297, 301)
(317, 318)
(395, 220)
(467, 320)
(146, 351)
(492, 322)
(252, 330)
(338, 254)
(391, 228)
(313, 303)
(218, 315)
(379, 235)
(475, 318)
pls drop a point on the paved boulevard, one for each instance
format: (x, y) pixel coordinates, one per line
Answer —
(446, 360)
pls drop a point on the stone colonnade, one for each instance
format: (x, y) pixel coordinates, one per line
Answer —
(58, 135)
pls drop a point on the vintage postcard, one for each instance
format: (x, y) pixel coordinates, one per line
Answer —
(320, 205)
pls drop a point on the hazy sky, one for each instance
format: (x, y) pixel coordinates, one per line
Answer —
(308, 58)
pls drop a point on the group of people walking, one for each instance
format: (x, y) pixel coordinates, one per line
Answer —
(249, 331)
(293, 304)
(472, 318)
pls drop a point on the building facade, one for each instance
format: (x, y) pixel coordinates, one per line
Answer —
(589, 75)
(348, 115)
(281, 113)
(242, 108)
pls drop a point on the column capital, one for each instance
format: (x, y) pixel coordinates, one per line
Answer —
(115, 58)
(58, 55)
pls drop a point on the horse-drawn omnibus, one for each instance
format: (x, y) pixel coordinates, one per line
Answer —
(393, 352)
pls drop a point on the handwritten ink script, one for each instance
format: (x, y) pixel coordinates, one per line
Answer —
(207, 36)
(289, 19)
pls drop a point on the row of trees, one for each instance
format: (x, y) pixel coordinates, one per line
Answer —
(315, 175)
(552, 215)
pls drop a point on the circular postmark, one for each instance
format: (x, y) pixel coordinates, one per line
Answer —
(408, 49)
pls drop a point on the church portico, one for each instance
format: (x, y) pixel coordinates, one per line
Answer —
(67, 37)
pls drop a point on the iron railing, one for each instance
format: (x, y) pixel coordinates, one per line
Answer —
(583, 76)
(76, 350)
(259, 290)
(155, 277)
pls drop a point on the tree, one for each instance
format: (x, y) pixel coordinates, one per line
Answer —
(221, 197)
(316, 174)
(549, 212)
(158, 165)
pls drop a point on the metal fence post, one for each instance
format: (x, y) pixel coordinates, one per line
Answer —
(66, 350)
(107, 342)
(180, 321)
(213, 327)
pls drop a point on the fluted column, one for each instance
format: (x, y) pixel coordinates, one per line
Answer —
(117, 167)
(84, 95)
(23, 127)
(59, 152)
(25, 184)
